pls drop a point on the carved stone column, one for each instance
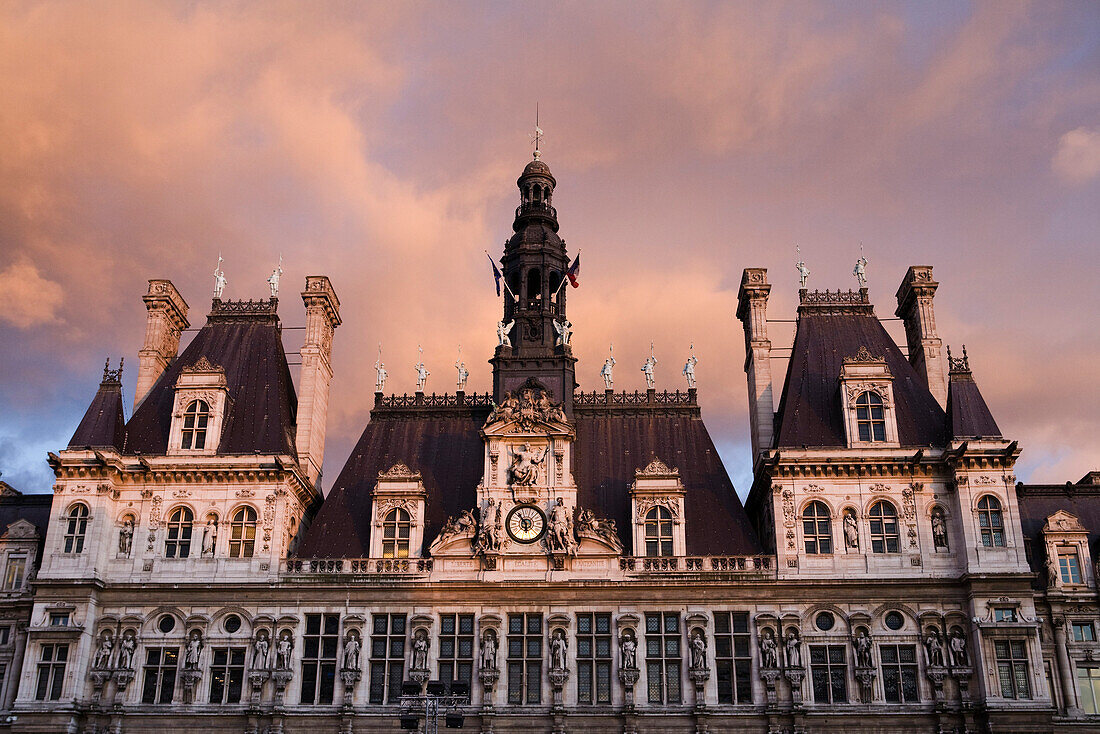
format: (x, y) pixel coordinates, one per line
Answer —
(1069, 695)
(488, 678)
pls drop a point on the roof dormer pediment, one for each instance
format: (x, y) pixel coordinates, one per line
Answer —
(1063, 523)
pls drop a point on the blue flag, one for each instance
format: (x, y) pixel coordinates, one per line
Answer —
(496, 272)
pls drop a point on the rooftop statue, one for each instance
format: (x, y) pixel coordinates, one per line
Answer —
(273, 281)
(647, 367)
(502, 333)
(219, 278)
(605, 371)
(689, 370)
(565, 331)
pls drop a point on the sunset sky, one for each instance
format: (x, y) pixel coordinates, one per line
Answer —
(379, 143)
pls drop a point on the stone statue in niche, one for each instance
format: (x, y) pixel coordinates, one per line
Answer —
(628, 650)
(939, 529)
(525, 465)
(557, 650)
(420, 651)
(503, 330)
(488, 660)
(194, 648)
(1054, 577)
(126, 650)
(769, 655)
(698, 651)
(126, 536)
(209, 537)
(794, 649)
(933, 648)
(351, 652)
(260, 648)
(283, 649)
(851, 530)
(102, 659)
(863, 650)
(959, 655)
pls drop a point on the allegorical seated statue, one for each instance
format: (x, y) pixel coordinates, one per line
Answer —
(525, 465)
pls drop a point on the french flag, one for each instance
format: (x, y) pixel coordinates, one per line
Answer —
(574, 271)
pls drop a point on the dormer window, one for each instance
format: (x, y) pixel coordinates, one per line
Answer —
(870, 417)
(658, 532)
(991, 522)
(195, 420)
(866, 387)
(396, 529)
(1069, 566)
(199, 410)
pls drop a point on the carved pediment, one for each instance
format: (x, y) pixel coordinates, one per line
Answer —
(1063, 522)
(20, 529)
(527, 409)
(657, 468)
(399, 471)
(203, 365)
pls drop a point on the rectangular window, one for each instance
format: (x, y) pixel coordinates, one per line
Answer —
(1088, 686)
(51, 672)
(899, 673)
(226, 674)
(160, 674)
(663, 656)
(5, 634)
(1012, 668)
(524, 658)
(1004, 614)
(593, 658)
(319, 645)
(387, 658)
(59, 619)
(13, 575)
(456, 647)
(1069, 566)
(1084, 632)
(829, 671)
(732, 660)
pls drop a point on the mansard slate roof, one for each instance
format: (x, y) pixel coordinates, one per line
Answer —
(810, 409)
(34, 508)
(445, 446)
(262, 402)
(104, 424)
(1037, 502)
(968, 415)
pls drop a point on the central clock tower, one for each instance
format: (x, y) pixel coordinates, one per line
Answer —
(534, 265)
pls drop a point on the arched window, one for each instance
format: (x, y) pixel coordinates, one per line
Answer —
(991, 522)
(396, 528)
(76, 527)
(658, 532)
(870, 417)
(884, 528)
(816, 529)
(242, 533)
(178, 542)
(534, 284)
(195, 419)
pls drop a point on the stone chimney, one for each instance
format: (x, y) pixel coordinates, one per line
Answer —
(925, 348)
(322, 318)
(752, 307)
(166, 320)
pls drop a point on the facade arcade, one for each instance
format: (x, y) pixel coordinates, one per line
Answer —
(580, 559)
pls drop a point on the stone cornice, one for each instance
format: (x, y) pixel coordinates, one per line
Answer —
(125, 471)
(855, 463)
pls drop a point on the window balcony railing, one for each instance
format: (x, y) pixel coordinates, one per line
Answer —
(357, 566)
(697, 564)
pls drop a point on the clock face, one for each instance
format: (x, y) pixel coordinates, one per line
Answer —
(526, 523)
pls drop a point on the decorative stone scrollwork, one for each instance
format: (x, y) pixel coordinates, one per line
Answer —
(645, 504)
(788, 507)
(881, 389)
(398, 471)
(657, 468)
(863, 355)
